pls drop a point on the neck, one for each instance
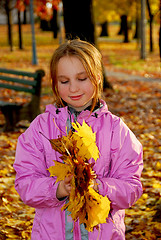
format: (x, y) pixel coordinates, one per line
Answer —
(79, 109)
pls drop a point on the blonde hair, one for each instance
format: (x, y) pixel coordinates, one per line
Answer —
(91, 59)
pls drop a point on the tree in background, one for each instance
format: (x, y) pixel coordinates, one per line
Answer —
(137, 19)
(125, 10)
(104, 31)
(129, 11)
(46, 10)
(160, 31)
(106, 10)
(7, 6)
(124, 28)
(54, 22)
(79, 17)
(21, 7)
(79, 20)
(153, 10)
(104, 13)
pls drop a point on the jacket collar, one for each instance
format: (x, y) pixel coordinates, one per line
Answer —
(62, 113)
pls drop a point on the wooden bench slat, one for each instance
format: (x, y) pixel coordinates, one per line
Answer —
(22, 81)
(15, 112)
(6, 103)
(16, 72)
(17, 88)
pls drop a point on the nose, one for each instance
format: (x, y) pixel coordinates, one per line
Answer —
(73, 87)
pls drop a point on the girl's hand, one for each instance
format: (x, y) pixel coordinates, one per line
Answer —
(64, 187)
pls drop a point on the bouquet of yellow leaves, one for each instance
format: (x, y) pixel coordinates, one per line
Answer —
(77, 148)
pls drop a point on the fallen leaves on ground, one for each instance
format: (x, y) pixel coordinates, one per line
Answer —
(15, 218)
(139, 105)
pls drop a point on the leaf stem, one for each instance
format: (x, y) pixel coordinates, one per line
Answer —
(50, 141)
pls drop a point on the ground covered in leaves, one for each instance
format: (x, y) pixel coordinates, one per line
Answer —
(137, 103)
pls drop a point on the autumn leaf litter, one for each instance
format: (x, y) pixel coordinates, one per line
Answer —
(139, 105)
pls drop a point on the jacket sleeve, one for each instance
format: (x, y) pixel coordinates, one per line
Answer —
(33, 183)
(122, 184)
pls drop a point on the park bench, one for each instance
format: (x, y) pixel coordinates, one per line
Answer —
(20, 81)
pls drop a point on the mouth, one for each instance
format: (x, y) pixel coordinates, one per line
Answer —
(77, 97)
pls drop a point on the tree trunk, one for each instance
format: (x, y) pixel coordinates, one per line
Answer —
(121, 26)
(124, 28)
(143, 30)
(136, 35)
(160, 42)
(151, 16)
(9, 22)
(104, 32)
(54, 24)
(19, 30)
(78, 20)
(160, 35)
(151, 33)
(24, 17)
(34, 54)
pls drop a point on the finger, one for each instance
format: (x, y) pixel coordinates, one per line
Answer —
(68, 179)
(67, 188)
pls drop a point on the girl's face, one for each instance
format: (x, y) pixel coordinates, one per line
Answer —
(74, 85)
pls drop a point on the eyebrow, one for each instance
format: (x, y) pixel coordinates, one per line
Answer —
(78, 74)
(62, 76)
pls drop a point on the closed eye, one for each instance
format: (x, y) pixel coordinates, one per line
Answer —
(64, 82)
(82, 79)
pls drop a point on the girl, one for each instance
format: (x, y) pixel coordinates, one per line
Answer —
(76, 73)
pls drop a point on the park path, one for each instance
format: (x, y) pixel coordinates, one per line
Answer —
(130, 77)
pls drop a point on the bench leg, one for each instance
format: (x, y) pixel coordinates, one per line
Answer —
(11, 114)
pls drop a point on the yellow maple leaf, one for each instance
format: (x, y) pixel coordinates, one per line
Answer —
(91, 209)
(60, 170)
(86, 140)
(97, 209)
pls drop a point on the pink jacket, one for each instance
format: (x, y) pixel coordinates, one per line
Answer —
(118, 169)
